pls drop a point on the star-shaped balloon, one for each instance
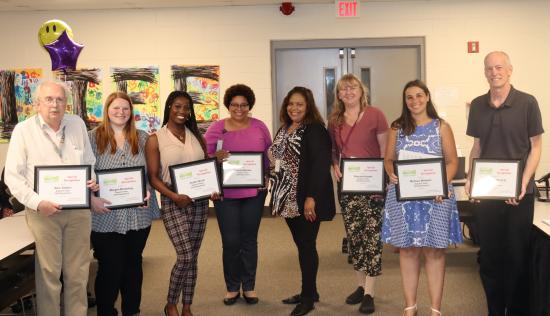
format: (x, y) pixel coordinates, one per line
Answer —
(64, 52)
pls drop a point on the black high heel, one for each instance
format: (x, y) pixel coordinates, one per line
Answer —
(165, 311)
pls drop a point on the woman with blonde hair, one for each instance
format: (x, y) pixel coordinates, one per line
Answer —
(359, 130)
(119, 236)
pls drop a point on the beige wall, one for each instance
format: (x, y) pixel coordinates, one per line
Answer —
(238, 39)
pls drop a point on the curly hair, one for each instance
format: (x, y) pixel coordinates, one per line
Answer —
(242, 90)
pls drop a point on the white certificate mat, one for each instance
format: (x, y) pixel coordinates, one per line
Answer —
(495, 179)
(421, 179)
(123, 187)
(197, 179)
(64, 185)
(362, 175)
(243, 170)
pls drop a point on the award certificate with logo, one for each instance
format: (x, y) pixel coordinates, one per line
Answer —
(421, 179)
(494, 179)
(362, 175)
(197, 179)
(64, 185)
(123, 187)
(243, 170)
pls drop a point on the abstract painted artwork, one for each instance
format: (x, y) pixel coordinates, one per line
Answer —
(85, 99)
(202, 82)
(17, 89)
(142, 85)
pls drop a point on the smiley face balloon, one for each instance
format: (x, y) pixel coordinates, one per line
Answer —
(50, 31)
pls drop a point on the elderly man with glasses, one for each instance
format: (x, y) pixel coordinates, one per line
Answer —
(62, 236)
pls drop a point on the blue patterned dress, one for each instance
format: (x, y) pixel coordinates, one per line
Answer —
(423, 223)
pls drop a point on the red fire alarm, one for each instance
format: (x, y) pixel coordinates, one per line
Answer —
(473, 47)
(286, 8)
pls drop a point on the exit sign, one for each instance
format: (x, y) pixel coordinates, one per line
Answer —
(347, 8)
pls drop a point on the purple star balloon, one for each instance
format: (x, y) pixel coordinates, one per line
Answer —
(64, 52)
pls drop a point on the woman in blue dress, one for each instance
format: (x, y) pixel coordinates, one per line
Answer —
(425, 227)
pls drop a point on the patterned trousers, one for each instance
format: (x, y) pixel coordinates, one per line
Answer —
(185, 227)
(363, 221)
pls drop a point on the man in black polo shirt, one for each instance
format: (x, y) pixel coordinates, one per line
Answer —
(506, 124)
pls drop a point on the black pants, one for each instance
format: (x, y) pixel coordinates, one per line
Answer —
(119, 270)
(504, 232)
(304, 234)
(239, 221)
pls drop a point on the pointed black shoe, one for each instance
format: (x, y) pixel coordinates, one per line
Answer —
(302, 309)
(356, 297)
(367, 305)
(296, 299)
(231, 300)
(251, 300)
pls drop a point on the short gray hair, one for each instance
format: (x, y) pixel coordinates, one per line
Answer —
(499, 52)
(38, 90)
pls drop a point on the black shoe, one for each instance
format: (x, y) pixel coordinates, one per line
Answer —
(350, 261)
(367, 305)
(344, 245)
(251, 300)
(302, 309)
(231, 300)
(296, 299)
(356, 297)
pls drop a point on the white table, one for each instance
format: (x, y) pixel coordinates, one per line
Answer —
(14, 234)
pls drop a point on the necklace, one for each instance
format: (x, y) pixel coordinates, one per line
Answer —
(180, 137)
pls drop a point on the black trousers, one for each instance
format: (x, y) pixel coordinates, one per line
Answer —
(119, 270)
(504, 233)
(304, 234)
(239, 221)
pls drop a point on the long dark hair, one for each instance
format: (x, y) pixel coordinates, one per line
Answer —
(406, 121)
(312, 113)
(191, 122)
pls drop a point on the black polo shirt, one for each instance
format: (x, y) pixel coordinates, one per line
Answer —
(504, 132)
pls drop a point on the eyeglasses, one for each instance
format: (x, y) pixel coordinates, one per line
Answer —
(52, 101)
(241, 106)
(350, 87)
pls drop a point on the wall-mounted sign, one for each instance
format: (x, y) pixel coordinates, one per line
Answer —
(347, 8)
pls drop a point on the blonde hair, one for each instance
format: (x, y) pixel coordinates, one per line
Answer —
(336, 117)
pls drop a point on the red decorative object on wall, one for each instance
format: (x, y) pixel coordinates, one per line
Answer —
(287, 8)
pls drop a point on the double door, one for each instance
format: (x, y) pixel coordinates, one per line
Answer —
(383, 65)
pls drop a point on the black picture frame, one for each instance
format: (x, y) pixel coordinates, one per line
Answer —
(259, 184)
(209, 162)
(473, 179)
(383, 178)
(83, 168)
(440, 165)
(105, 172)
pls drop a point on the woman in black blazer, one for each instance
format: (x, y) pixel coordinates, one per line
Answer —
(301, 185)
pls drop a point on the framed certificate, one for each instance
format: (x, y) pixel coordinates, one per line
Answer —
(197, 179)
(421, 179)
(123, 187)
(494, 179)
(243, 170)
(362, 175)
(64, 185)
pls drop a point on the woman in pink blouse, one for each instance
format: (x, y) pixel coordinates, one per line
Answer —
(240, 212)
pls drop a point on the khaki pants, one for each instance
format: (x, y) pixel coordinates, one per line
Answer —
(62, 244)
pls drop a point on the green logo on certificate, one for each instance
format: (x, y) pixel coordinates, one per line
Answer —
(486, 170)
(51, 179)
(354, 168)
(185, 175)
(234, 162)
(110, 181)
(409, 173)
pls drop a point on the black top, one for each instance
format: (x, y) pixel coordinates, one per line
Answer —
(314, 179)
(504, 132)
